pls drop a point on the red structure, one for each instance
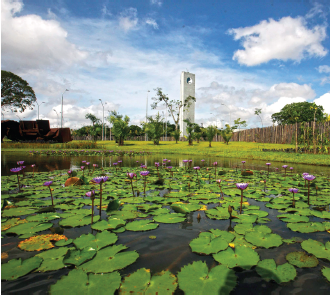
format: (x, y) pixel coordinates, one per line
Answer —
(33, 130)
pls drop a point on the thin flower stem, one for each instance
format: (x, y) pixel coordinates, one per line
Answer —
(100, 199)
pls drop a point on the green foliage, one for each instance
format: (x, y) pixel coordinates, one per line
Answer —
(92, 118)
(170, 218)
(78, 220)
(29, 229)
(77, 282)
(15, 268)
(196, 279)
(326, 272)
(176, 134)
(78, 257)
(135, 131)
(257, 111)
(299, 112)
(101, 240)
(16, 93)
(207, 244)
(120, 128)
(154, 128)
(301, 259)
(268, 270)
(190, 130)
(317, 248)
(265, 240)
(227, 133)
(210, 132)
(306, 227)
(141, 225)
(52, 259)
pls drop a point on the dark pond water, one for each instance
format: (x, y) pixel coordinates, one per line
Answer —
(171, 248)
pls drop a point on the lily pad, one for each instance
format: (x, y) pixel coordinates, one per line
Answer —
(52, 259)
(29, 228)
(78, 257)
(301, 259)
(112, 223)
(20, 211)
(307, 227)
(326, 272)
(208, 245)
(243, 257)
(294, 218)
(77, 282)
(185, 208)
(317, 248)
(268, 270)
(170, 218)
(63, 242)
(141, 225)
(15, 268)
(265, 240)
(196, 279)
(78, 220)
(101, 240)
(109, 259)
(11, 223)
(40, 242)
(141, 283)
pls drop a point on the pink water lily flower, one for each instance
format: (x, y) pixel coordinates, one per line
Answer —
(242, 186)
(48, 183)
(131, 175)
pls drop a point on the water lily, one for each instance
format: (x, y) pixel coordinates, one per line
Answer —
(202, 161)
(293, 191)
(157, 165)
(16, 171)
(215, 169)
(243, 162)
(284, 167)
(83, 170)
(91, 194)
(185, 161)
(241, 186)
(219, 182)
(131, 176)
(100, 180)
(94, 166)
(268, 165)
(33, 166)
(291, 169)
(48, 183)
(145, 174)
(308, 178)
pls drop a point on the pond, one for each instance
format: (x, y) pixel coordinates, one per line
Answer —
(169, 246)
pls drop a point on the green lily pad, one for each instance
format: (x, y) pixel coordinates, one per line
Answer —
(225, 235)
(43, 217)
(265, 240)
(307, 227)
(243, 218)
(243, 257)
(20, 211)
(317, 248)
(5, 225)
(29, 228)
(141, 283)
(185, 208)
(78, 257)
(293, 240)
(40, 242)
(196, 279)
(77, 282)
(243, 228)
(101, 240)
(301, 259)
(124, 215)
(294, 218)
(170, 218)
(141, 225)
(268, 270)
(63, 242)
(52, 259)
(15, 268)
(207, 244)
(109, 259)
(326, 272)
(112, 223)
(78, 220)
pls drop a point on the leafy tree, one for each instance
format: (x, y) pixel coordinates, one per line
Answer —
(154, 128)
(176, 135)
(227, 132)
(135, 131)
(173, 106)
(238, 122)
(190, 130)
(198, 133)
(120, 128)
(211, 131)
(92, 118)
(305, 112)
(257, 112)
(16, 92)
(95, 131)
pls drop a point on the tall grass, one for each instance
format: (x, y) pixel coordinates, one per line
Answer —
(39, 146)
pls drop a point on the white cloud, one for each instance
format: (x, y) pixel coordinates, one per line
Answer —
(128, 19)
(286, 39)
(324, 101)
(31, 42)
(324, 69)
(152, 22)
(156, 2)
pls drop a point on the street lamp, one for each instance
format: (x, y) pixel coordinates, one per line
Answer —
(62, 109)
(38, 107)
(147, 113)
(57, 117)
(229, 112)
(102, 119)
(109, 126)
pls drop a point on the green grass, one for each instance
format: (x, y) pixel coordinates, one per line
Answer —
(240, 150)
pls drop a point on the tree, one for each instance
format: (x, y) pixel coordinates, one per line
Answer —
(190, 130)
(154, 128)
(92, 118)
(16, 92)
(305, 112)
(173, 106)
(198, 133)
(257, 112)
(211, 131)
(176, 135)
(135, 131)
(238, 122)
(120, 128)
(227, 132)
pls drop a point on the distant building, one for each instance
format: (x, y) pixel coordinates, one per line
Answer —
(187, 88)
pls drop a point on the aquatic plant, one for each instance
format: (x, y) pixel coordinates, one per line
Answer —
(241, 186)
(215, 169)
(33, 166)
(202, 161)
(219, 182)
(197, 168)
(185, 163)
(16, 171)
(100, 180)
(145, 174)
(284, 167)
(94, 166)
(48, 183)
(157, 165)
(91, 194)
(131, 176)
(308, 178)
(243, 162)
(268, 165)
(293, 191)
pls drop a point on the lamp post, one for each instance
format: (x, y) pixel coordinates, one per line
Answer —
(102, 119)
(57, 117)
(109, 125)
(62, 109)
(147, 113)
(38, 107)
(229, 113)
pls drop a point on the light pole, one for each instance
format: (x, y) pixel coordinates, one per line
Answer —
(163, 126)
(38, 107)
(57, 117)
(62, 109)
(147, 113)
(102, 119)
(229, 113)
(110, 125)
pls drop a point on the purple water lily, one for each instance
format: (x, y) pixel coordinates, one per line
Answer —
(84, 161)
(48, 183)
(91, 194)
(33, 166)
(202, 161)
(215, 169)
(144, 174)
(131, 176)
(100, 180)
(242, 186)
(219, 182)
(21, 162)
(308, 178)
(268, 165)
(16, 171)
(284, 167)
(293, 191)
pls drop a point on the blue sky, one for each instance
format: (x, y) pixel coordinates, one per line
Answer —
(245, 54)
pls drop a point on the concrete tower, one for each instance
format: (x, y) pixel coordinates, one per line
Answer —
(187, 88)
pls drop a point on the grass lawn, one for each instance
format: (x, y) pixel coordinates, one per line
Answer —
(241, 150)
